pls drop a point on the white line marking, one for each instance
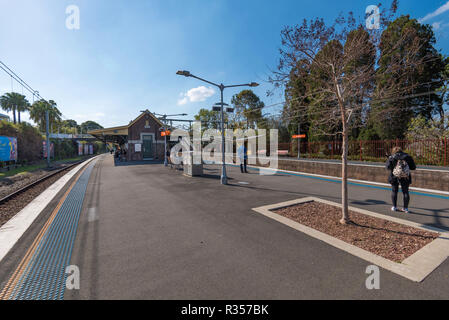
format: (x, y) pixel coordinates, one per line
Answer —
(351, 180)
(92, 214)
(350, 164)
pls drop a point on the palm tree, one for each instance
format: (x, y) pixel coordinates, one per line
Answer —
(13, 101)
(38, 110)
(23, 107)
(5, 103)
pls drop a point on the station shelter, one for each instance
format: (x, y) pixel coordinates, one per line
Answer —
(141, 138)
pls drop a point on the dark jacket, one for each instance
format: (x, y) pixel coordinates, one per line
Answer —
(393, 160)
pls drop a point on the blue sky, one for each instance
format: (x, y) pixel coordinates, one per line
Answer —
(124, 57)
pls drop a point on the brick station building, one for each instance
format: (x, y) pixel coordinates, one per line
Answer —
(141, 138)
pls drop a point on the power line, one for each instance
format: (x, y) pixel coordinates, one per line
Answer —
(25, 85)
(19, 80)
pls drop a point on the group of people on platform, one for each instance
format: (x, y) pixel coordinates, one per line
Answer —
(119, 154)
(399, 163)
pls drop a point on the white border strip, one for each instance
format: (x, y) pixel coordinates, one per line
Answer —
(416, 267)
(349, 164)
(446, 193)
(14, 229)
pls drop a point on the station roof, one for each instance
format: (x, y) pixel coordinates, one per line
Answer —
(121, 130)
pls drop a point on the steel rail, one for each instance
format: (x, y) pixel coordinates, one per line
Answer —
(38, 181)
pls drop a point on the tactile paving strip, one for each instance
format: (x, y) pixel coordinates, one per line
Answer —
(44, 276)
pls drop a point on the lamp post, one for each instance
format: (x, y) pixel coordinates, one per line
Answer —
(224, 179)
(164, 119)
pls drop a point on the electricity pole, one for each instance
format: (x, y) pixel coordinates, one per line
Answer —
(163, 117)
(47, 135)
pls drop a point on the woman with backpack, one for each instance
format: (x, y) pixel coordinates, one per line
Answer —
(400, 164)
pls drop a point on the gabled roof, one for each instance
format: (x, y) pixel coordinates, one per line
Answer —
(142, 115)
(123, 130)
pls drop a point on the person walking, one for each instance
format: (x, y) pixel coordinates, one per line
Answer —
(242, 153)
(400, 164)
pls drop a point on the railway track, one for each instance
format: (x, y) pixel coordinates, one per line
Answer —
(11, 204)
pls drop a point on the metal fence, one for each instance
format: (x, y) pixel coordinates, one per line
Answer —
(425, 152)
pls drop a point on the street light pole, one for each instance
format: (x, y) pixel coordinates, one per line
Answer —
(224, 179)
(165, 141)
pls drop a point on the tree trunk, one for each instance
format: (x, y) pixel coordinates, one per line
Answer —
(14, 114)
(344, 178)
(18, 113)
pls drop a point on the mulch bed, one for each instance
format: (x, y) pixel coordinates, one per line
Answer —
(387, 239)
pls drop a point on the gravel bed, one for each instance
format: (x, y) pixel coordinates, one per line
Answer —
(387, 239)
(13, 206)
(11, 184)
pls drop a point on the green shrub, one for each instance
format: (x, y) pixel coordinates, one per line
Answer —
(29, 140)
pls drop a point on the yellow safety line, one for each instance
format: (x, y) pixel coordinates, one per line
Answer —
(10, 285)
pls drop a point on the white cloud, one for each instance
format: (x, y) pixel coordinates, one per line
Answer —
(183, 101)
(437, 12)
(198, 94)
(436, 25)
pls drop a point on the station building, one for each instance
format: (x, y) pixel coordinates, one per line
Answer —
(141, 138)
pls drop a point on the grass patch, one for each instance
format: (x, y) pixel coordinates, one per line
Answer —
(22, 170)
(34, 167)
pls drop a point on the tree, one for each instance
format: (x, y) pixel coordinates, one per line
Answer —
(248, 109)
(6, 105)
(89, 125)
(24, 106)
(14, 102)
(338, 82)
(69, 123)
(409, 75)
(275, 122)
(39, 109)
(296, 98)
(444, 90)
(338, 62)
(69, 126)
(209, 119)
(421, 128)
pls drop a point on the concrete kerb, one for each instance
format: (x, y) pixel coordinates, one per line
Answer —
(416, 267)
(14, 229)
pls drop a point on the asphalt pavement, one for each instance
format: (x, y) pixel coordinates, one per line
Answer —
(148, 232)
